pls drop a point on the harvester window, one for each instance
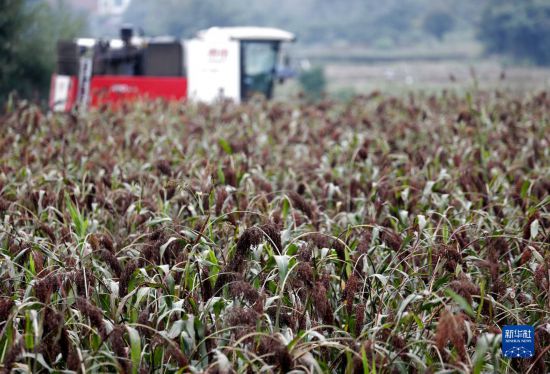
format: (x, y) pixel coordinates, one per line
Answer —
(258, 67)
(163, 60)
(153, 59)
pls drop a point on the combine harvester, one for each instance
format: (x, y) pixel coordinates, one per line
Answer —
(229, 62)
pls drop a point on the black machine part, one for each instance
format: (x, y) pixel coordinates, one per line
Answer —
(126, 33)
(163, 59)
(68, 55)
(156, 59)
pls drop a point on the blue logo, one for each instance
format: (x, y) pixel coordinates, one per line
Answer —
(518, 341)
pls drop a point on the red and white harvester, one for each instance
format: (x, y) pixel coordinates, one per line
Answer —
(220, 62)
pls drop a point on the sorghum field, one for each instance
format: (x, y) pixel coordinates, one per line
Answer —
(380, 235)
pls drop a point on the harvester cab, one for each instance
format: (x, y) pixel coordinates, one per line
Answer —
(220, 62)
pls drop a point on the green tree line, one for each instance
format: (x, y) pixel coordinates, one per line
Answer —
(315, 21)
(29, 31)
(519, 29)
(516, 28)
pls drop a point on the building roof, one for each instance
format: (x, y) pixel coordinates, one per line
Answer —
(246, 33)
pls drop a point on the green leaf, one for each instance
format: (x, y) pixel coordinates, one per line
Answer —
(165, 245)
(221, 175)
(534, 228)
(141, 293)
(469, 100)
(135, 348)
(409, 299)
(39, 358)
(418, 321)
(292, 249)
(283, 265)
(218, 306)
(524, 189)
(225, 146)
(365, 361)
(382, 278)
(158, 353)
(460, 301)
(479, 356)
(445, 233)
(286, 208)
(176, 329)
(29, 334)
(80, 223)
(32, 267)
(440, 282)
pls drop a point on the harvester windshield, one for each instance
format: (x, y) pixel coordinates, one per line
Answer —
(259, 61)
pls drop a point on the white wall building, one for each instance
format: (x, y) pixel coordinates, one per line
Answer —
(112, 7)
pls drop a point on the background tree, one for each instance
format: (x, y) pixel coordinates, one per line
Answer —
(438, 23)
(183, 18)
(313, 82)
(29, 31)
(519, 29)
(314, 21)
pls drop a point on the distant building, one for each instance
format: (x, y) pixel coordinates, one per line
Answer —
(112, 7)
(86, 5)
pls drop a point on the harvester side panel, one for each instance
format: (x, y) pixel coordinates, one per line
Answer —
(107, 89)
(213, 69)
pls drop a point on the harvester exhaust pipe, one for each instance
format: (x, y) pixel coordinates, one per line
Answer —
(126, 34)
